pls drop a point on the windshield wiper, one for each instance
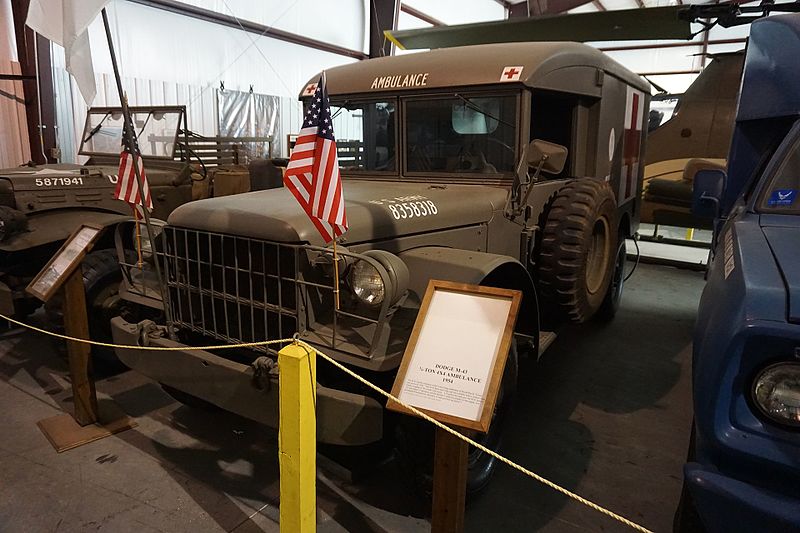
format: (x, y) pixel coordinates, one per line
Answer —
(96, 129)
(476, 107)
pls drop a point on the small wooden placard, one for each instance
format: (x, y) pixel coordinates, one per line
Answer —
(64, 262)
(454, 360)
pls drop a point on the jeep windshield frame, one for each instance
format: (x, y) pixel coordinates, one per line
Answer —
(157, 130)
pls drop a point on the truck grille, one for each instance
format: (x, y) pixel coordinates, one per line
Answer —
(230, 288)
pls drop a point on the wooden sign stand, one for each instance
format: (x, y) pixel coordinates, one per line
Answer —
(76, 324)
(452, 370)
(89, 422)
(449, 483)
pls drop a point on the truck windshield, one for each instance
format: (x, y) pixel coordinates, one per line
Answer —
(365, 135)
(461, 134)
(781, 194)
(156, 130)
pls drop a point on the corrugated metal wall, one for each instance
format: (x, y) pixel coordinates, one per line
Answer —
(14, 147)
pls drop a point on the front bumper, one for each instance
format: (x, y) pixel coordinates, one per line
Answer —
(343, 418)
(726, 504)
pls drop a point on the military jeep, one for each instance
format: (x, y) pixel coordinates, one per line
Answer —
(508, 165)
(41, 205)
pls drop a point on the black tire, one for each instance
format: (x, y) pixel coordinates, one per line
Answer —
(610, 306)
(576, 258)
(101, 279)
(686, 519)
(415, 442)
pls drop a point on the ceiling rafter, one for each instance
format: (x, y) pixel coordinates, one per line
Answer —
(421, 15)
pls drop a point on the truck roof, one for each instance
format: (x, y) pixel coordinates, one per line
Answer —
(471, 66)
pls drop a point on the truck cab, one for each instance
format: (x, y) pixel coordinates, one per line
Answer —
(512, 165)
(743, 465)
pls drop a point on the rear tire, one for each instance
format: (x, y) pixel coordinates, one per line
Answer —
(576, 259)
(608, 310)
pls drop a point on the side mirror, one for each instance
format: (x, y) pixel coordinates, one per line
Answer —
(709, 185)
(549, 156)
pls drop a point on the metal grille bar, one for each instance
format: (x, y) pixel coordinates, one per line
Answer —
(239, 289)
(231, 288)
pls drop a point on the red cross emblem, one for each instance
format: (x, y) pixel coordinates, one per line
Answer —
(511, 73)
(631, 142)
(310, 88)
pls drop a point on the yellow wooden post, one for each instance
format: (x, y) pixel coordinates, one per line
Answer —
(297, 437)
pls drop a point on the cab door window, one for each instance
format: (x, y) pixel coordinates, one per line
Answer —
(782, 193)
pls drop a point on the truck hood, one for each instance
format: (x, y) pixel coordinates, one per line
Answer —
(24, 178)
(375, 210)
(159, 173)
(783, 243)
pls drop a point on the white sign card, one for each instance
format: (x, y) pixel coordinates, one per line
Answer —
(64, 262)
(455, 358)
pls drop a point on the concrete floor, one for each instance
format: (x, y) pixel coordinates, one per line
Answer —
(605, 413)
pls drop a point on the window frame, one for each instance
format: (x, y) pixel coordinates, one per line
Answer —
(788, 148)
(466, 93)
(359, 99)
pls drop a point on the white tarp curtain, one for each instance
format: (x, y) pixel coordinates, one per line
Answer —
(14, 146)
(170, 59)
(246, 114)
(65, 22)
(320, 20)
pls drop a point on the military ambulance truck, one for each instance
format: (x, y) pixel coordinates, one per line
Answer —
(508, 165)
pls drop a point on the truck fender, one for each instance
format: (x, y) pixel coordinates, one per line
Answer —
(56, 226)
(477, 268)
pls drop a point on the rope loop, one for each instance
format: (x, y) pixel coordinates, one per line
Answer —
(296, 340)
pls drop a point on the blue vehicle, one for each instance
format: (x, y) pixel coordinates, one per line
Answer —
(743, 472)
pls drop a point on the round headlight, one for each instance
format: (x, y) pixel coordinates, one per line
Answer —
(367, 284)
(776, 391)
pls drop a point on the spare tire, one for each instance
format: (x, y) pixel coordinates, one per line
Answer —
(578, 250)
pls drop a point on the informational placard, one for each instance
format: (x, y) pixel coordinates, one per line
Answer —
(455, 357)
(64, 262)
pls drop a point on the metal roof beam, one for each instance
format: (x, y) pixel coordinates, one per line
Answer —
(405, 8)
(671, 45)
(544, 7)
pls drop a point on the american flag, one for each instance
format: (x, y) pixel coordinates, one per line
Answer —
(312, 174)
(127, 186)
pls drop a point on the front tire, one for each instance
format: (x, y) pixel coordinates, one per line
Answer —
(101, 279)
(576, 259)
(415, 441)
(687, 519)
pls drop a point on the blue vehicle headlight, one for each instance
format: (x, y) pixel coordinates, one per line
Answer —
(776, 393)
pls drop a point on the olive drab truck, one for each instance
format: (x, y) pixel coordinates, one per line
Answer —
(508, 165)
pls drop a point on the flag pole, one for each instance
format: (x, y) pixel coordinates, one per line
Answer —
(128, 139)
(333, 227)
(335, 272)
